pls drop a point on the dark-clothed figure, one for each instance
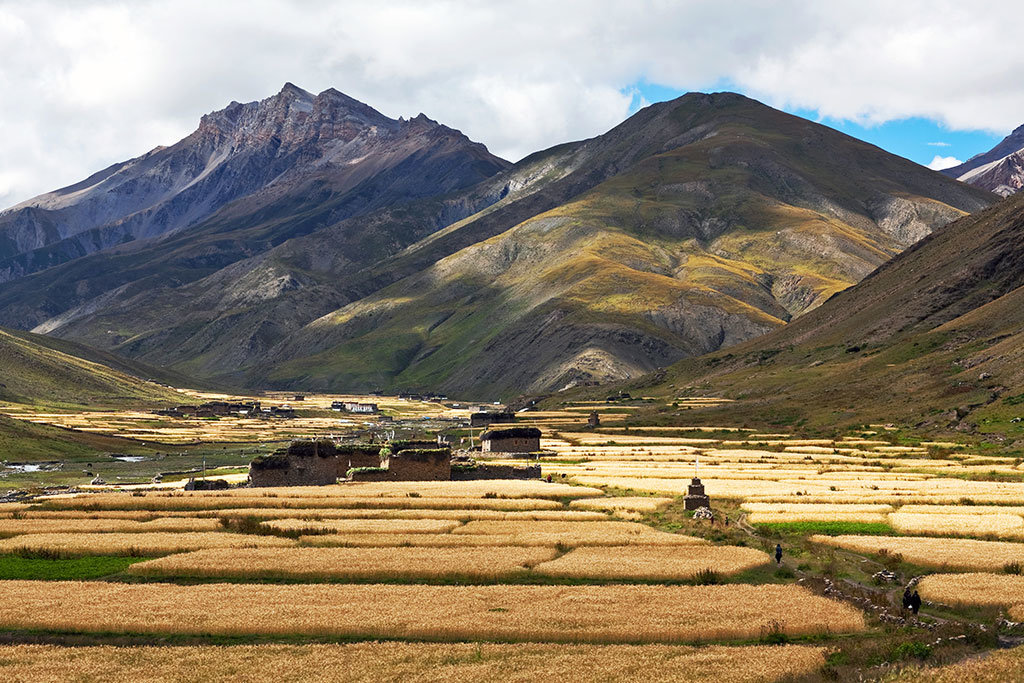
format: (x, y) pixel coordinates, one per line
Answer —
(778, 553)
(906, 599)
(915, 602)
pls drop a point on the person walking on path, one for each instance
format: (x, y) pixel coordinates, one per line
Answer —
(778, 553)
(915, 602)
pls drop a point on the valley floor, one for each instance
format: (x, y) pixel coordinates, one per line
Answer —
(598, 574)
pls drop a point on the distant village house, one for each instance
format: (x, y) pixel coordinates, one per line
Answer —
(511, 440)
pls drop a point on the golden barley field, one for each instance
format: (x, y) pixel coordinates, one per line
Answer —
(597, 614)
(974, 589)
(952, 553)
(367, 526)
(575, 533)
(957, 524)
(332, 564)
(426, 540)
(321, 513)
(771, 513)
(1002, 666)
(655, 563)
(964, 509)
(210, 503)
(413, 662)
(621, 504)
(152, 543)
(10, 527)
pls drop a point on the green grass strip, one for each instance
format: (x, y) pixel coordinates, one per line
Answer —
(828, 528)
(67, 569)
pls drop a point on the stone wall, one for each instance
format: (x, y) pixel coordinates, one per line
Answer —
(419, 465)
(350, 456)
(493, 471)
(303, 463)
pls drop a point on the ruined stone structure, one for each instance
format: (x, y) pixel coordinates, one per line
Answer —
(465, 468)
(357, 455)
(485, 419)
(317, 463)
(511, 440)
(594, 420)
(303, 463)
(419, 465)
(695, 496)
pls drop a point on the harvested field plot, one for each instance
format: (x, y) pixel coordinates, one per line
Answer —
(326, 564)
(606, 614)
(652, 562)
(414, 662)
(367, 526)
(973, 589)
(140, 543)
(954, 553)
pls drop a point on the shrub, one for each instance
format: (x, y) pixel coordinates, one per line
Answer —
(707, 577)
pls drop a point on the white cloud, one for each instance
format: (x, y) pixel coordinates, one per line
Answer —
(939, 144)
(91, 82)
(939, 163)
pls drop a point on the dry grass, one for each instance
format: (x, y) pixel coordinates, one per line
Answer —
(617, 613)
(576, 533)
(411, 662)
(325, 564)
(11, 527)
(652, 562)
(366, 526)
(952, 553)
(136, 544)
(162, 502)
(973, 589)
(957, 524)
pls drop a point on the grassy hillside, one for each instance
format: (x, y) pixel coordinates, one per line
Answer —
(36, 370)
(934, 338)
(728, 220)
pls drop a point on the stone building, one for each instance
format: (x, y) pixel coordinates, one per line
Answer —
(511, 440)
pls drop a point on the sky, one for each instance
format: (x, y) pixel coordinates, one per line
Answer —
(86, 83)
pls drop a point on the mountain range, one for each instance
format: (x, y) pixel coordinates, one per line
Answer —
(999, 170)
(310, 242)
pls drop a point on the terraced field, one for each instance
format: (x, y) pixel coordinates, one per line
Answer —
(603, 558)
